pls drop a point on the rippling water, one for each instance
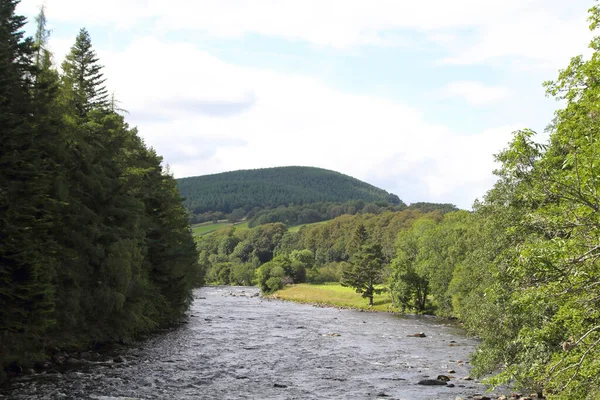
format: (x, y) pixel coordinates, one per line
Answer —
(236, 346)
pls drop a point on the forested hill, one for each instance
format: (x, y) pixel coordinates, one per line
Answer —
(273, 187)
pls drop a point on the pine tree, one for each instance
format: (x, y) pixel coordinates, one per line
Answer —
(83, 78)
(41, 37)
(366, 265)
(26, 265)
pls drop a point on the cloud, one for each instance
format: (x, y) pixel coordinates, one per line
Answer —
(541, 32)
(212, 108)
(178, 107)
(537, 36)
(475, 93)
(293, 120)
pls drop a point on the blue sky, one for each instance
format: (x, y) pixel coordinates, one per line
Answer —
(413, 97)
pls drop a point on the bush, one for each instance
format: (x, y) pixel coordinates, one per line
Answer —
(331, 272)
(270, 277)
(242, 274)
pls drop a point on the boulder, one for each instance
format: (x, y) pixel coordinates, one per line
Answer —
(432, 382)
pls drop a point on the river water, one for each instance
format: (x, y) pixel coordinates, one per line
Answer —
(236, 346)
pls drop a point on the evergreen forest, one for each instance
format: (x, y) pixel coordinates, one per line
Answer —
(95, 245)
(269, 188)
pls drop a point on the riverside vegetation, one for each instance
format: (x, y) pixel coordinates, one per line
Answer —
(95, 245)
(521, 271)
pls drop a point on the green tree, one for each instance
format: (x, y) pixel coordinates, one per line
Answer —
(236, 215)
(83, 78)
(546, 276)
(409, 280)
(26, 254)
(366, 266)
(270, 276)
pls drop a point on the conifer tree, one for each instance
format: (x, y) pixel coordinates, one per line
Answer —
(366, 265)
(26, 265)
(83, 78)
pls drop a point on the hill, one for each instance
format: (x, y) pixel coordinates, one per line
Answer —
(274, 187)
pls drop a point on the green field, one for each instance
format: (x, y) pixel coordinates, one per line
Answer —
(206, 228)
(333, 294)
(297, 227)
(209, 227)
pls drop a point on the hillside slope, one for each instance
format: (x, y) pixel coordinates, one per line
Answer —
(273, 187)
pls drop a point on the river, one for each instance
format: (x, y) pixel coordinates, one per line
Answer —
(236, 345)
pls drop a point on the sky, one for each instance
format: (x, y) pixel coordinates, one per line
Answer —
(414, 97)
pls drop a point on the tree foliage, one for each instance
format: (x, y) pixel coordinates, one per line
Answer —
(365, 269)
(83, 81)
(96, 246)
(274, 187)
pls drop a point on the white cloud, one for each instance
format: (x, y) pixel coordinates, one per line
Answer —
(542, 32)
(475, 93)
(293, 120)
(539, 36)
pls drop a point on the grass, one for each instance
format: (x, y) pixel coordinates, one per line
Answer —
(333, 294)
(296, 228)
(209, 227)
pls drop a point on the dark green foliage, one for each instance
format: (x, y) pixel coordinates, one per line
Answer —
(425, 208)
(95, 244)
(26, 246)
(270, 277)
(318, 251)
(365, 269)
(316, 212)
(230, 248)
(274, 187)
(282, 269)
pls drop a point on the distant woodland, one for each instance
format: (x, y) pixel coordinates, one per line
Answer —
(274, 187)
(290, 195)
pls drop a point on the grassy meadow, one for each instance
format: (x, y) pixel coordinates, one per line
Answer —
(297, 227)
(206, 228)
(333, 294)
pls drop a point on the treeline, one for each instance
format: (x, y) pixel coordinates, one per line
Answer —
(324, 248)
(273, 187)
(95, 245)
(317, 212)
(294, 215)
